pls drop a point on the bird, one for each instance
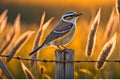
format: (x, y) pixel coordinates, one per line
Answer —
(63, 33)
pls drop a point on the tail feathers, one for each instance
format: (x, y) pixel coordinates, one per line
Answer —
(35, 50)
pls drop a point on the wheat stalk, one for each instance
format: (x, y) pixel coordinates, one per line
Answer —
(111, 25)
(5, 71)
(39, 36)
(8, 42)
(37, 39)
(46, 76)
(106, 52)
(47, 24)
(18, 44)
(16, 25)
(27, 72)
(92, 35)
(13, 35)
(3, 15)
(3, 24)
(16, 28)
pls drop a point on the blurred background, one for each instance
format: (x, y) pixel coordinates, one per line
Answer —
(31, 12)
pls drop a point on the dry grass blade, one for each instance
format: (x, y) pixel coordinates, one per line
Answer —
(37, 39)
(46, 76)
(17, 24)
(27, 72)
(3, 15)
(118, 6)
(76, 74)
(3, 24)
(92, 35)
(47, 23)
(39, 36)
(106, 52)
(5, 71)
(8, 42)
(19, 43)
(111, 25)
(88, 72)
(13, 36)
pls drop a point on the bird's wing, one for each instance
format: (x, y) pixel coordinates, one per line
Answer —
(64, 30)
(58, 32)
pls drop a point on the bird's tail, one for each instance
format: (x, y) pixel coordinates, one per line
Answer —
(38, 48)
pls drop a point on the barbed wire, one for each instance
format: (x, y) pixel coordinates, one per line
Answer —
(64, 61)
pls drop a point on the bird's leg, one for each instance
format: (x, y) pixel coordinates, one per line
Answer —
(64, 47)
(59, 47)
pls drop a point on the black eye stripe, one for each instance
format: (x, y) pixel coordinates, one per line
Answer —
(69, 16)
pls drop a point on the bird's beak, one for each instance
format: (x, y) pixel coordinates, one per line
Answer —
(77, 14)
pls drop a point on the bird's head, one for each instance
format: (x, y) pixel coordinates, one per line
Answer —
(71, 16)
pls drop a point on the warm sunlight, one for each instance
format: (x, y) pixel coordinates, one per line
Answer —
(59, 39)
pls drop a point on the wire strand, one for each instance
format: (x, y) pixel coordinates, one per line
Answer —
(64, 61)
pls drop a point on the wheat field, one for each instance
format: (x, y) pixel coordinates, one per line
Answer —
(97, 37)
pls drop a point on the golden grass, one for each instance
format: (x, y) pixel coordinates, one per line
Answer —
(3, 24)
(18, 44)
(8, 42)
(92, 35)
(3, 16)
(27, 72)
(37, 39)
(87, 72)
(13, 35)
(106, 52)
(78, 44)
(16, 25)
(111, 25)
(39, 35)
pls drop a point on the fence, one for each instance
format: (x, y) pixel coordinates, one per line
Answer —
(64, 63)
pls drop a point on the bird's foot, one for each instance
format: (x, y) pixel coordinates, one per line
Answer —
(65, 47)
(59, 47)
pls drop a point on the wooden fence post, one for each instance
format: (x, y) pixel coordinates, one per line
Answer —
(64, 70)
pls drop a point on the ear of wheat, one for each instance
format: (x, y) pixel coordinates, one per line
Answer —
(27, 72)
(4, 70)
(92, 35)
(106, 52)
(111, 25)
(17, 25)
(13, 35)
(37, 39)
(3, 15)
(18, 44)
(39, 36)
(8, 42)
(3, 24)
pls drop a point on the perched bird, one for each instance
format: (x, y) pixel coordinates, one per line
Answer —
(63, 33)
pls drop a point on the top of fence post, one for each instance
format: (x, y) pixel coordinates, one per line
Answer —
(64, 70)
